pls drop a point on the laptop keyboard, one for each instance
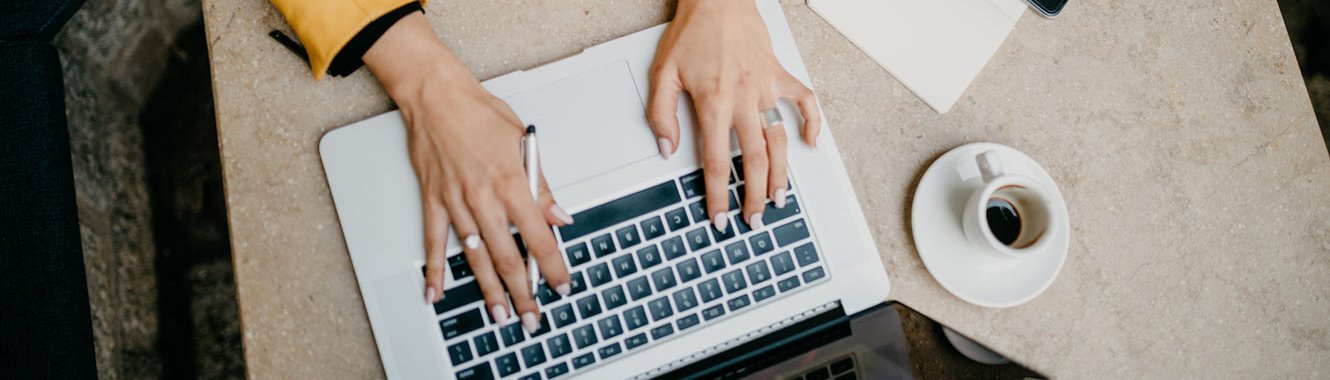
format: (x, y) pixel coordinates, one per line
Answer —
(843, 368)
(645, 267)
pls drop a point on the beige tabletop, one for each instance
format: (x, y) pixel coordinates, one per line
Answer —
(1179, 132)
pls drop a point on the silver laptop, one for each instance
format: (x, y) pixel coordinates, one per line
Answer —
(656, 289)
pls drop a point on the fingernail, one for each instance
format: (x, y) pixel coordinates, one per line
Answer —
(472, 242)
(780, 198)
(560, 214)
(755, 221)
(499, 313)
(529, 321)
(429, 294)
(721, 222)
(563, 290)
(665, 147)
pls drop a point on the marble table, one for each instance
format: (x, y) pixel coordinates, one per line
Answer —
(1180, 133)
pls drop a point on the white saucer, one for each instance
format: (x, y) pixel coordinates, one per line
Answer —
(974, 274)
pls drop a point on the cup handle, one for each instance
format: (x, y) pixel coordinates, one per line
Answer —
(989, 165)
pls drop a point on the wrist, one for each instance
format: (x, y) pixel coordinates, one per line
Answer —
(409, 57)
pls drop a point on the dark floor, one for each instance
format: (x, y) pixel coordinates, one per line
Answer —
(150, 197)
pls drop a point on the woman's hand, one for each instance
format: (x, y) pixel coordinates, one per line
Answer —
(464, 145)
(720, 53)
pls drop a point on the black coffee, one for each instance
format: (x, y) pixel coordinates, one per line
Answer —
(1003, 220)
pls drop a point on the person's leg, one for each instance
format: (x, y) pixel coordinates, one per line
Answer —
(45, 325)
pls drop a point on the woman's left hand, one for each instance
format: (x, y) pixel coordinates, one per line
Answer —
(720, 53)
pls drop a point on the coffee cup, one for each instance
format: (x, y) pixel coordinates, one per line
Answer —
(1010, 214)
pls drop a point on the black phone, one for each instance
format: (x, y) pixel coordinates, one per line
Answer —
(1048, 8)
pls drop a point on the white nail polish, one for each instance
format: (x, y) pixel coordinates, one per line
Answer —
(780, 198)
(429, 294)
(529, 321)
(721, 222)
(665, 147)
(472, 242)
(563, 290)
(560, 214)
(499, 313)
(755, 221)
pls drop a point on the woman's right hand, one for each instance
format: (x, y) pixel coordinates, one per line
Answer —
(464, 146)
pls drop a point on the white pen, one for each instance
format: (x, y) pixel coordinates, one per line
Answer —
(530, 160)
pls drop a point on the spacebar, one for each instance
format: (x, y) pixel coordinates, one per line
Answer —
(616, 211)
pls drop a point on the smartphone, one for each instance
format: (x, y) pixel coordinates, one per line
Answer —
(1048, 8)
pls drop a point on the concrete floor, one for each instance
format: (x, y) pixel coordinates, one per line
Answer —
(150, 195)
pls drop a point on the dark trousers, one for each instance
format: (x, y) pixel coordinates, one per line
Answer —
(45, 327)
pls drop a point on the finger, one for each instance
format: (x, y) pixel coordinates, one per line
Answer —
(774, 133)
(715, 118)
(791, 88)
(492, 218)
(436, 243)
(663, 108)
(554, 214)
(753, 144)
(536, 234)
(496, 302)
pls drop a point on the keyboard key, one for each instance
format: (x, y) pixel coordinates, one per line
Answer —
(818, 374)
(739, 302)
(559, 346)
(563, 315)
(842, 365)
(673, 247)
(603, 245)
(649, 256)
(639, 288)
(459, 296)
(507, 364)
(660, 308)
(556, 370)
(698, 239)
(713, 312)
(546, 295)
(806, 254)
(652, 228)
(610, 350)
(738, 166)
(628, 236)
(710, 290)
(723, 235)
(688, 270)
(578, 254)
(588, 306)
(685, 299)
(791, 232)
(544, 326)
(713, 261)
(762, 293)
(584, 336)
(788, 284)
(599, 274)
(782, 263)
(578, 282)
(584, 360)
(486, 343)
(741, 225)
(512, 334)
(457, 264)
(461, 324)
(459, 353)
(761, 243)
(758, 272)
(664, 279)
(533, 355)
(699, 212)
(620, 210)
(662, 331)
(693, 184)
(624, 265)
(737, 252)
(635, 317)
(734, 201)
(614, 297)
(771, 214)
(814, 275)
(479, 372)
(689, 321)
(610, 327)
(635, 341)
(734, 281)
(677, 219)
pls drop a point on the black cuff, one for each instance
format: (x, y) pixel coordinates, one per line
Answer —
(349, 60)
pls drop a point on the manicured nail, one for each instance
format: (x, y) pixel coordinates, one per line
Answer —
(563, 290)
(472, 242)
(665, 147)
(560, 214)
(780, 198)
(499, 313)
(429, 294)
(529, 321)
(755, 221)
(721, 222)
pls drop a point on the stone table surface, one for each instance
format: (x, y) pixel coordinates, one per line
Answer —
(1180, 133)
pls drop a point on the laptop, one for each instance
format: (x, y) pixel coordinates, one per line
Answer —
(656, 289)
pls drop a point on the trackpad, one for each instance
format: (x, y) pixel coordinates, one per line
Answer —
(588, 124)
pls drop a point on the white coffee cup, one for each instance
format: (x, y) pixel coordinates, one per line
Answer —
(1022, 217)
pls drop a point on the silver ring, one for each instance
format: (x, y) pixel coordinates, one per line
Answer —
(771, 116)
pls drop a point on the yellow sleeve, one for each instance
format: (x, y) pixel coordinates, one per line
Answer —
(325, 26)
